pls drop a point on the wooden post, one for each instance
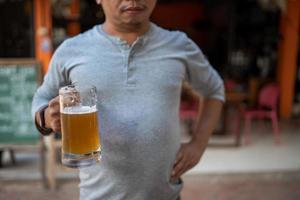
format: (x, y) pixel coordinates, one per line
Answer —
(43, 53)
(43, 32)
(287, 57)
(51, 162)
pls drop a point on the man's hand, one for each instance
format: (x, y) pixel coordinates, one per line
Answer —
(52, 115)
(189, 154)
(187, 157)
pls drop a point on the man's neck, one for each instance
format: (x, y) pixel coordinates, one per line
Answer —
(129, 33)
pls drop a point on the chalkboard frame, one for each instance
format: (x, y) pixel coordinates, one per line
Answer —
(26, 62)
(11, 62)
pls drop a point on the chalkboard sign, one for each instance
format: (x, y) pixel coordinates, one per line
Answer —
(19, 80)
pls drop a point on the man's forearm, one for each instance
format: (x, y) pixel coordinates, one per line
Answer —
(207, 122)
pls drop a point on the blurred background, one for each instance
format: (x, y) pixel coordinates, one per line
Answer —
(253, 44)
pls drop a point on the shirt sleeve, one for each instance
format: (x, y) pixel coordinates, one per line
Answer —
(200, 74)
(53, 80)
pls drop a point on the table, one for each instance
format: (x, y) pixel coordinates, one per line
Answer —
(234, 100)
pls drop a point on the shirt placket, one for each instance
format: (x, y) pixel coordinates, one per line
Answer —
(129, 68)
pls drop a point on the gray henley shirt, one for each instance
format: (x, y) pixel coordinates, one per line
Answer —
(139, 88)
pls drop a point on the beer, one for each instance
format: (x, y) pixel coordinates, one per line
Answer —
(79, 125)
(80, 133)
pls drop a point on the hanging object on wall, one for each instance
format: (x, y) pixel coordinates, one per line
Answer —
(273, 5)
(62, 9)
(45, 44)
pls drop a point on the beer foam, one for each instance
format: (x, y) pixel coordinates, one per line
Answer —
(79, 110)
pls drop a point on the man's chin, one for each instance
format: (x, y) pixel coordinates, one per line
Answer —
(135, 20)
(134, 23)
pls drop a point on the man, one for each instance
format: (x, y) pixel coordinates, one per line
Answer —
(138, 69)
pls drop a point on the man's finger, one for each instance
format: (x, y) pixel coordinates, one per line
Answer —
(54, 108)
(178, 167)
(56, 125)
(54, 113)
(54, 102)
(187, 166)
(181, 171)
(178, 173)
(179, 157)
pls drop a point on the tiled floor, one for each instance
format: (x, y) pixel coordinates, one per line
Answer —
(262, 155)
(245, 186)
(253, 186)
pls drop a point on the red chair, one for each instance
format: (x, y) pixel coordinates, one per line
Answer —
(267, 108)
(189, 112)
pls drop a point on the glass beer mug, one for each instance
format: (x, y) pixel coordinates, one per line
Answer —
(79, 126)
